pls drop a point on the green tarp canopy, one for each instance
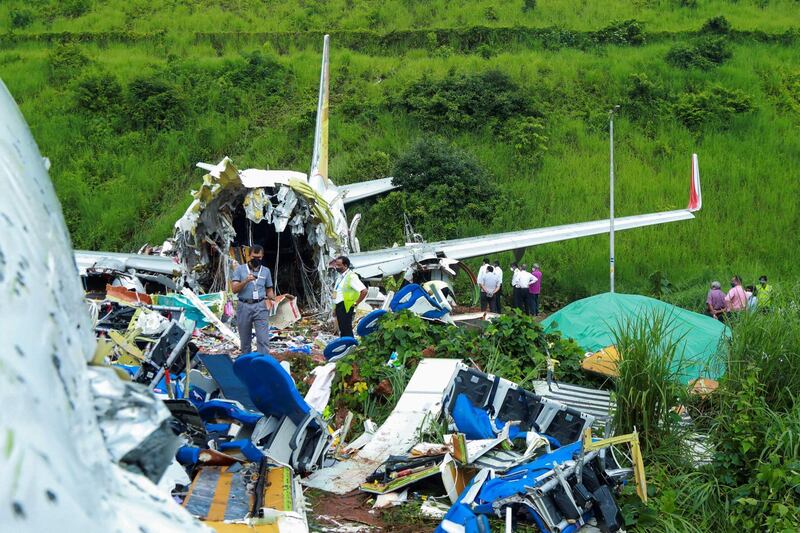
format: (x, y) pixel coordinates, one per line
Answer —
(591, 321)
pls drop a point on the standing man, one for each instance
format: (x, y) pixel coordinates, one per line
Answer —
(715, 302)
(515, 292)
(736, 299)
(499, 296)
(524, 280)
(252, 283)
(764, 293)
(535, 289)
(481, 274)
(349, 291)
(490, 286)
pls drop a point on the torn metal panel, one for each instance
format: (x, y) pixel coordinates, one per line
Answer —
(211, 317)
(134, 423)
(85, 259)
(420, 403)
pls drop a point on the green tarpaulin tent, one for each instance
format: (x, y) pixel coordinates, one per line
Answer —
(591, 321)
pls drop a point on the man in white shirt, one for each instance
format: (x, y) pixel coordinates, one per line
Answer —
(526, 279)
(490, 286)
(516, 284)
(481, 274)
(499, 296)
(349, 291)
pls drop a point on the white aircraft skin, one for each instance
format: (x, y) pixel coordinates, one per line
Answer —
(396, 260)
(58, 474)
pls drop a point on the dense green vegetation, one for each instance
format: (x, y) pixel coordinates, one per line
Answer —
(124, 98)
(750, 480)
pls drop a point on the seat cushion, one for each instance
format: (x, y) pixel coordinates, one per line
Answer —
(271, 388)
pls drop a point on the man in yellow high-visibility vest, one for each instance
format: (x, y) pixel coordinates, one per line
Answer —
(349, 291)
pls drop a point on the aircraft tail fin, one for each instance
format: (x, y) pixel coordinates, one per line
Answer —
(695, 197)
(319, 160)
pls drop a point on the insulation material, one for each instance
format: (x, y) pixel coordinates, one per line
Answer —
(134, 423)
(256, 204)
(59, 472)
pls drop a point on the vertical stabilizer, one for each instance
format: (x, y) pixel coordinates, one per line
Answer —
(695, 198)
(319, 161)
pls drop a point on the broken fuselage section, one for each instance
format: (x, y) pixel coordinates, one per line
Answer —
(302, 228)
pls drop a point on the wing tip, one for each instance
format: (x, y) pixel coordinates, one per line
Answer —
(695, 196)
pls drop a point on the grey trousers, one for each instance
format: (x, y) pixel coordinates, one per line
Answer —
(247, 316)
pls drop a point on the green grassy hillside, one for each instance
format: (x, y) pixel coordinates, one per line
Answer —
(124, 98)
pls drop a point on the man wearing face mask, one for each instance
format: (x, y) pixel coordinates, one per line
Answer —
(252, 283)
(349, 291)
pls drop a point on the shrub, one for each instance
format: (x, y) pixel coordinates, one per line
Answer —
(74, 8)
(527, 136)
(645, 98)
(528, 5)
(465, 101)
(716, 25)
(262, 71)
(441, 187)
(66, 61)
(628, 32)
(485, 51)
(154, 103)
(705, 53)
(98, 92)
(714, 105)
(430, 162)
(20, 17)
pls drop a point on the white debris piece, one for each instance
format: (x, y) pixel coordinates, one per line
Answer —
(420, 403)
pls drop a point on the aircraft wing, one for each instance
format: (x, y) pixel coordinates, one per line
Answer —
(390, 261)
(365, 189)
(144, 263)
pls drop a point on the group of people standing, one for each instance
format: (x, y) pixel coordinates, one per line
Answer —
(720, 304)
(526, 285)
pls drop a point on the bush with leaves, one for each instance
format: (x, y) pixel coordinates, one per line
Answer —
(155, 103)
(705, 53)
(528, 136)
(465, 101)
(440, 187)
(715, 105)
(20, 17)
(98, 92)
(66, 61)
(74, 8)
(646, 99)
(717, 24)
(627, 32)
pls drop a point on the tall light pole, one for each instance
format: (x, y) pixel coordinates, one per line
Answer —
(611, 195)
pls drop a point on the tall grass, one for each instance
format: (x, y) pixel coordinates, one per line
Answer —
(767, 346)
(647, 389)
